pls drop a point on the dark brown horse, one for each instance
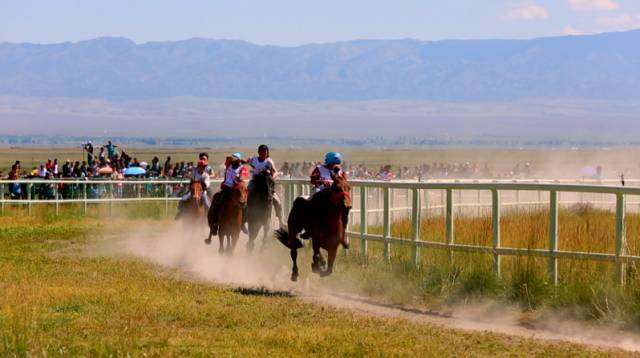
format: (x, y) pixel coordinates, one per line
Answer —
(230, 217)
(325, 218)
(259, 206)
(193, 209)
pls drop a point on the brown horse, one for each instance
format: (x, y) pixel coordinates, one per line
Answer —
(325, 217)
(193, 209)
(230, 217)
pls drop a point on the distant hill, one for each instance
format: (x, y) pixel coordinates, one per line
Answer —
(604, 66)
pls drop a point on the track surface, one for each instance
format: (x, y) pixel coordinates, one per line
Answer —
(269, 274)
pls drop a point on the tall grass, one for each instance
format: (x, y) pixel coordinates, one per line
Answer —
(586, 288)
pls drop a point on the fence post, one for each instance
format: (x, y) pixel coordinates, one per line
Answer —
(84, 196)
(495, 224)
(166, 199)
(56, 193)
(449, 219)
(285, 202)
(415, 227)
(29, 197)
(553, 236)
(386, 227)
(2, 197)
(621, 242)
(363, 223)
(110, 199)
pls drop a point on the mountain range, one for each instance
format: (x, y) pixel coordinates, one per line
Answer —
(603, 66)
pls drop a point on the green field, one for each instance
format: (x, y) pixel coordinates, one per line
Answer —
(62, 297)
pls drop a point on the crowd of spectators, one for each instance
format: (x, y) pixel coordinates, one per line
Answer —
(465, 170)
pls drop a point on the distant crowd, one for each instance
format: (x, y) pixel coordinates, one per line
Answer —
(107, 161)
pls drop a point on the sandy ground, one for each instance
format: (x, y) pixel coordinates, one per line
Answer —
(268, 273)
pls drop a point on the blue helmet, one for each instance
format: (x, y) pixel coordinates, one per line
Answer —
(332, 158)
(237, 155)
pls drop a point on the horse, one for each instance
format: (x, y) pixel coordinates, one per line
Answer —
(193, 208)
(325, 218)
(259, 207)
(230, 217)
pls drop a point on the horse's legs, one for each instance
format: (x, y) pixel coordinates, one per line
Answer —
(332, 258)
(316, 265)
(253, 233)
(234, 240)
(294, 258)
(221, 248)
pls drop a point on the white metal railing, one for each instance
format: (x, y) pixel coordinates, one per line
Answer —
(360, 191)
(552, 253)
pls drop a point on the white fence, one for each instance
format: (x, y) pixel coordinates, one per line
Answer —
(385, 202)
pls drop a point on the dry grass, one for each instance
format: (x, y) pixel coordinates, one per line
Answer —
(69, 304)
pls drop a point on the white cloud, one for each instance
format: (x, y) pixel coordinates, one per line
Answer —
(570, 30)
(527, 13)
(585, 5)
(620, 22)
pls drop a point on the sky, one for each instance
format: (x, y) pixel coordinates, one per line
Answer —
(296, 22)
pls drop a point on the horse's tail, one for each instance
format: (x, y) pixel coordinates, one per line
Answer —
(282, 235)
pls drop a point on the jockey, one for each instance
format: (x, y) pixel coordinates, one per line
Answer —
(321, 175)
(200, 175)
(233, 174)
(263, 162)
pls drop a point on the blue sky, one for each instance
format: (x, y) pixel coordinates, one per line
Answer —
(294, 22)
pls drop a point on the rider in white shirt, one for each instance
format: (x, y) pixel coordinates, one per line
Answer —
(321, 175)
(263, 162)
(234, 173)
(199, 174)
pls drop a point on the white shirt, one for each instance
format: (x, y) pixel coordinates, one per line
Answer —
(231, 175)
(201, 177)
(260, 166)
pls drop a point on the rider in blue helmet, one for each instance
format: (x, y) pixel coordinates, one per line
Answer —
(321, 175)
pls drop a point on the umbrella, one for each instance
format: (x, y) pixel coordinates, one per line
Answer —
(135, 171)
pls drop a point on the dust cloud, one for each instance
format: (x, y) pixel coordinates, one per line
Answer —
(268, 269)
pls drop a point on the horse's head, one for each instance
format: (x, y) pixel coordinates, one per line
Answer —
(195, 188)
(340, 191)
(264, 181)
(239, 192)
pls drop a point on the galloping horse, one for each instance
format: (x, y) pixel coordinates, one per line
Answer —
(325, 217)
(259, 207)
(230, 217)
(193, 209)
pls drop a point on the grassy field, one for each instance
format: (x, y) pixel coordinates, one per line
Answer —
(58, 301)
(546, 163)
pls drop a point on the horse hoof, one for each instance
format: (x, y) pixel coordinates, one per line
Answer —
(325, 273)
(315, 268)
(207, 241)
